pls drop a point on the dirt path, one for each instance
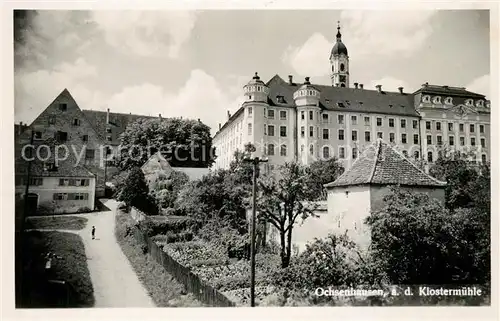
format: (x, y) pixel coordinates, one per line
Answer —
(114, 280)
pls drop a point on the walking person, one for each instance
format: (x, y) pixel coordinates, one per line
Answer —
(93, 232)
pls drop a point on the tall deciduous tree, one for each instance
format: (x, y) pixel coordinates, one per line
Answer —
(283, 200)
(322, 172)
(185, 142)
(135, 192)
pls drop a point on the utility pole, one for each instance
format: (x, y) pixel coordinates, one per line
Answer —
(255, 162)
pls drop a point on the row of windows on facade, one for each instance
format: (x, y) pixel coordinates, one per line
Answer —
(461, 127)
(38, 181)
(70, 196)
(354, 153)
(449, 101)
(63, 136)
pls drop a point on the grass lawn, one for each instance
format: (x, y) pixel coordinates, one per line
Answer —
(163, 288)
(56, 222)
(69, 265)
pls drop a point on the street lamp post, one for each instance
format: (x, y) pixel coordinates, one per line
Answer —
(255, 162)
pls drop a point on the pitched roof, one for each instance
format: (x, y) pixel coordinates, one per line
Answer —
(448, 91)
(382, 164)
(117, 123)
(350, 99)
(156, 163)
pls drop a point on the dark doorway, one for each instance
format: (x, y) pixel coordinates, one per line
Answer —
(32, 204)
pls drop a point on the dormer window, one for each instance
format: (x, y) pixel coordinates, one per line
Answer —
(480, 103)
(341, 104)
(63, 107)
(437, 100)
(280, 99)
(37, 135)
(468, 102)
(448, 101)
(426, 99)
(52, 120)
(76, 122)
(108, 130)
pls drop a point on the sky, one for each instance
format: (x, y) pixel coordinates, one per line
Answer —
(195, 63)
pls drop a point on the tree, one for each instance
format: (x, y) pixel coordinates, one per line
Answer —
(322, 172)
(418, 241)
(282, 200)
(165, 189)
(135, 193)
(185, 142)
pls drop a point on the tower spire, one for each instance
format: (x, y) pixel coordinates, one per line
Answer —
(339, 35)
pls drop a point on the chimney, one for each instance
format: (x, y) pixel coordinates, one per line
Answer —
(379, 88)
(228, 115)
(356, 85)
(360, 86)
(220, 126)
(290, 79)
(20, 128)
(159, 115)
(307, 80)
(107, 117)
(199, 120)
(400, 90)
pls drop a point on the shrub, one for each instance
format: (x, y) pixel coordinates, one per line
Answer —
(84, 209)
(162, 225)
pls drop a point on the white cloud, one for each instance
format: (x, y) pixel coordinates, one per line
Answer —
(200, 97)
(389, 84)
(366, 34)
(34, 91)
(480, 85)
(147, 33)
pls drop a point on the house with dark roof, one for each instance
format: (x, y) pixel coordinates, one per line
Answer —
(360, 189)
(299, 120)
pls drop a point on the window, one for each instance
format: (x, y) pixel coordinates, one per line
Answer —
(109, 138)
(462, 141)
(301, 149)
(52, 120)
(403, 123)
(461, 128)
(468, 102)
(63, 107)
(428, 125)
(270, 114)
(367, 121)
(448, 100)
(483, 143)
(341, 134)
(429, 140)
(282, 131)
(325, 118)
(429, 157)
(391, 137)
(439, 140)
(61, 136)
(37, 135)
(471, 127)
(416, 155)
(78, 196)
(326, 133)
(326, 152)
(391, 122)
(438, 125)
(426, 99)
(283, 150)
(405, 153)
(108, 130)
(311, 115)
(311, 131)
(354, 120)
(341, 119)
(403, 138)
(354, 153)
(437, 100)
(450, 127)
(481, 129)
(451, 140)
(473, 141)
(250, 111)
(311, 149)
(380, 135)
(249, 129)
(415, 139)
(379, 121)
(302, 131)
(265, 129)
(282, 114)
(36, 181)
(60, 196)
(483, 158)
(270, 149)
(302, 116)
(415, 124)
(63, 182)
(76, 122)
(367, 136)
(89, 154)
(354, 135)
(341, 152)
(342, 67)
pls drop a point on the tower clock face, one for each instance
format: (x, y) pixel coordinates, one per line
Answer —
(342, 78)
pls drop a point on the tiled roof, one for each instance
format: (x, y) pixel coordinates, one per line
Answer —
(382, 164)
(155, 163)
(448, 91)
(352, 99)
(117, 122)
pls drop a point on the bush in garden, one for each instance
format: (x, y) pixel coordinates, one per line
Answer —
(154, 226)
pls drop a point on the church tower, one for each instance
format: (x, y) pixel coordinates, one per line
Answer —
(339, 62)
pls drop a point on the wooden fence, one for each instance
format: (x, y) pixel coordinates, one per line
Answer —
(202, 291)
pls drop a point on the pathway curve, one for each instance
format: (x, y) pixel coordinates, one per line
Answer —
(113, 278)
